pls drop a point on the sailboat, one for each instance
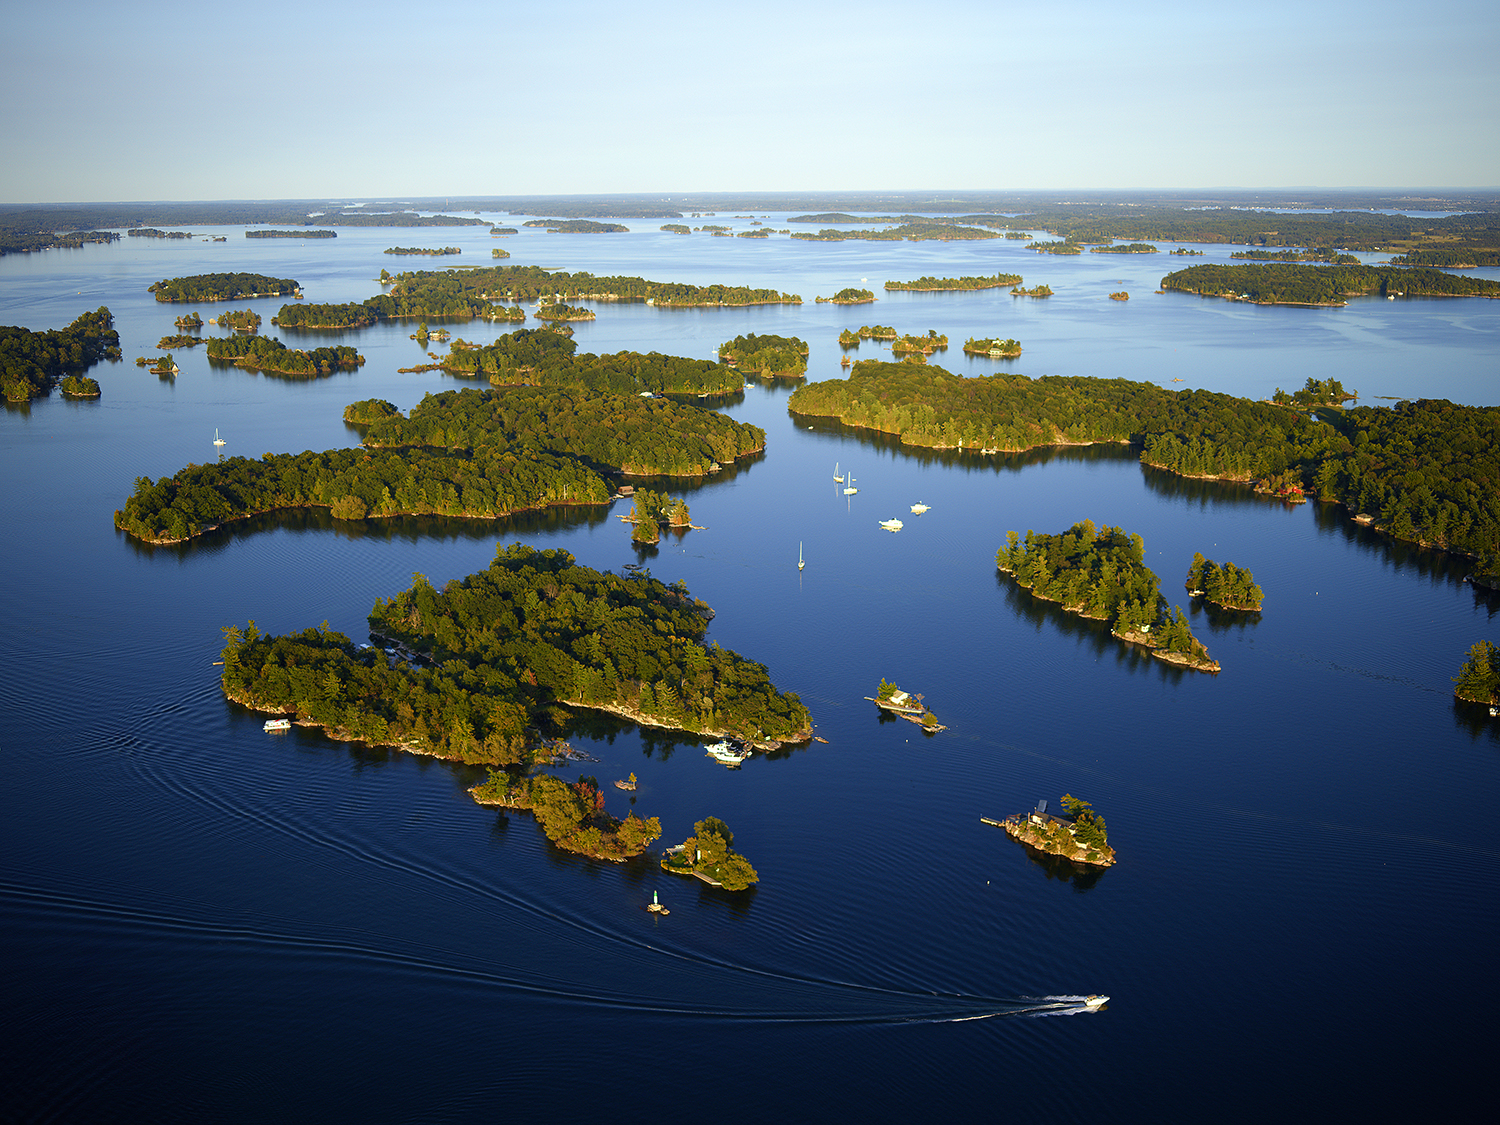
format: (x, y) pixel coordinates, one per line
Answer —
(836, 477)
(217, 439)
(849, 489)
(800, 563)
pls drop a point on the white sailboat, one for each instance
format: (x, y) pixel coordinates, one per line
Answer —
(837, 478)
(217, 439)
(849, 489)
(800, 563)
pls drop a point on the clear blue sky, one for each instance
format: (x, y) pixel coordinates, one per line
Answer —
(315, 100)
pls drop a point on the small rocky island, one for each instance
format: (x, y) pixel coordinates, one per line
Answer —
(709, 855)
(1080, 837)
(892, 700)
(848, 297)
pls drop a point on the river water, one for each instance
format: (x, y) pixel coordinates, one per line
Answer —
(205, 922)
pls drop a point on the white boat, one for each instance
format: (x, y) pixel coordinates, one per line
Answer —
(727, 754)
(217, 439)
(849, 489)
(919, 507)
(278, 724)
(837, 478)
(800, 563)
(891, 524)
(1094, 1003)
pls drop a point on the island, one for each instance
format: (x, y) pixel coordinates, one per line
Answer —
(948, 284)
(893, 701)
(189, 320)
(432, 252)
(1100, 574)
(1288, 284)
(80, 386)
(1185, 252)
(164, 366)
(152, 232)
(761, 233)
(995, 348)
(545, 358)
(501, 231)
(291, 234)
(1082, 837)
(499, 253)
(919, 231)
(558, 311)
(323, 316)
(1466, 259)
(268, 354)
(1478, 680)
(1122, 295)
(13, 241)
(222, 287)
(1321, 254)
(1125, 248)
(1034, 291)
(1228, 587)
(577, 226)
(850, 338)
(770, 356)
(241, 320)
(180, 340)
(572, 816)
(709, 855)
(1062, 246)
(677, 228)
(487, 657)
(32, 363)
(910, 345)
(848, 297)
(470, 453)
(651, 511)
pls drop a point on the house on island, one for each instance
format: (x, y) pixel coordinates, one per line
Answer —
(1043, 819)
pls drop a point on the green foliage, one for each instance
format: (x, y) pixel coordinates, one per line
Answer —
(537, 358)
(221, 287)
(369, 411)
(770, 355)
(1479, 679)
(1062, 246)
(558, 311)
(266, 353)
(992, 347)
(1126, 248)
(919, 230)
(80, 386)
(709, 851)
(289, 234)
(31, 363)
(1034, 291)
(323, 316)
(240, 320)
(848, 296)
(944, 284)
(676, 228)
(1098, 573)
(1321, 254)
(432, 252)
(577, 226)
(1279, 283)
(1226, 586)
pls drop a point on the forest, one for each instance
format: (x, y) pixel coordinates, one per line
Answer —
(1126, 248)
(848, 297)
(533, 357)
(996, 347)
(1100, 573)
(556, 310)
(1427, 472)
(1467, 259)
(1061, 246)
(221, 287)
(266, 353)
(470, 453)
(922, 230)
(301, 315)
(572, 815)
(677, 228)
(31, 363)
(1316, 254)
(152, 232)
(577, 226)
(1043, 290)
(240, 320)
(710, 852)
(493, 654)
(942, 284)
(428, 251)
(291, 234)
(1478, 679)
(80, 386)
(13, 241)
(769, 355)
(1288, 284)
(1227, 586)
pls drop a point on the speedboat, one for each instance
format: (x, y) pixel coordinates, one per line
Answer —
(919, 507)
(1094, 1003)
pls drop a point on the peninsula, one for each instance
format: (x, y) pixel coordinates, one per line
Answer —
(1281, 283)
(31, 363)
(1478, 681)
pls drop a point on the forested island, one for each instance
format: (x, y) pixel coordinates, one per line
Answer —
(1034, 291)
(500, 231)
(152, 232)
(291, 234)
(80, 386)
(266, 353)
(434, 253)
(577, 226)
(996, 348)
(1101, 574)
(912, 344)
(222, 287)
(179, 340)
(709, 855)
(1316, 254)
(944, 284)
(920, 231)
(1478, 680)
(848, 297)
(191, 321)
(651, 511)
(677, 228)
(850, 338)
(771, 356)
(494, 652)
(1426, 472)
(1287, 284)
(544, 358)
(470, 453)
(571, 815)
(1120, 295)
(1227, 586)
(1466, 259)
(557, 311)
(240, 320)
(13, 241)
(32, 363)
(1061, 246)
(1125, 248)
(323, 316)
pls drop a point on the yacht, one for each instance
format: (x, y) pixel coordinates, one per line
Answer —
(727, 754)
(277, 724)
(891, 524)
(920, 507)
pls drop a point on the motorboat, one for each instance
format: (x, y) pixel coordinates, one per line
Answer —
(726, 754)
(278, 724)
(920, 507)
(891, 524)
(1094, 1003)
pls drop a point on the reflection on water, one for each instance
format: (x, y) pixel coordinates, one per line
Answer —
(1084, 877)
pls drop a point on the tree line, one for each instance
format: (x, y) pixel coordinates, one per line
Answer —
(1227, 586)
(31, 363)
(221, 287)
(770, 355)
(266, 353)
(1287, 284)
(544, 358)
(942, 284)
(291, 234)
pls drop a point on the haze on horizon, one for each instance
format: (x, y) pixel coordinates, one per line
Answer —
(188, 102)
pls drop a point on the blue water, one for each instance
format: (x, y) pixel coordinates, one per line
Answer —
(204, 922)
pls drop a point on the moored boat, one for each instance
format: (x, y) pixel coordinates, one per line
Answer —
(277, 724)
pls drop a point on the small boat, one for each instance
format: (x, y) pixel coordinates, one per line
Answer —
(800, 563)
(1094, 1003)
(277, 724)
(920, 507)
(217, 439)
(891, 524)
(849, 489)
(837, 478)
(727, 754)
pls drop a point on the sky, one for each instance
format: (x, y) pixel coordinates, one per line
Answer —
(309, 100)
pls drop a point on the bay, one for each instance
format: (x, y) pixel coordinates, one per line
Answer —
(203, 921)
